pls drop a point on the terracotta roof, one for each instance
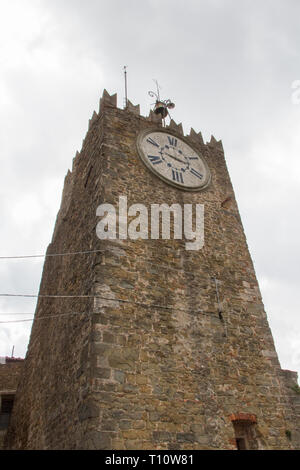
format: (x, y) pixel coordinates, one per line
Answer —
(14, 359)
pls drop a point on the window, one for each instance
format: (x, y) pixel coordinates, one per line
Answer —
(241, 443)
(7, 402)
(245, 435)
(244, 425)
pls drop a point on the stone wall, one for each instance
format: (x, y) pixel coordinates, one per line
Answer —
(151, 364)
(10, 371)
(291, 391)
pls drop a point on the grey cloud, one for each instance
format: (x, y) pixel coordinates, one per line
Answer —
(227, 65)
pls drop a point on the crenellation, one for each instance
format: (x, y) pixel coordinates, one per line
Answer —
(197, 137)
(107, 100)
(135, 109)
(175, 127)
(75, 160)
(93, 119)
(65, 201)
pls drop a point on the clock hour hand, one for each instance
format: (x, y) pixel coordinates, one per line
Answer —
(175, 158)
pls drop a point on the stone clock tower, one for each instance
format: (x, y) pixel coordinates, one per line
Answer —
(141, 343)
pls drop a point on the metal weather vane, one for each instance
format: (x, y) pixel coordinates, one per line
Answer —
(161, 107)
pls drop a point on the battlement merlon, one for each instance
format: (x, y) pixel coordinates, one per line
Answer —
(110, 101)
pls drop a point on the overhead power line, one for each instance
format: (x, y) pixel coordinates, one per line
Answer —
(51, 254)
(161, 266)
(17, 321)
(141, 304)
(44, 317)
(52, 296)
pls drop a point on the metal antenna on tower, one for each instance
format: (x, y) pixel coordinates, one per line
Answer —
(157, 89)
(161, 107)
(125, 78)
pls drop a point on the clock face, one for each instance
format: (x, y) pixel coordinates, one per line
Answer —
(173, 160)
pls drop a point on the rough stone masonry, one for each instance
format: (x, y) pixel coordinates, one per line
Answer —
(10, 370)
(154, 360)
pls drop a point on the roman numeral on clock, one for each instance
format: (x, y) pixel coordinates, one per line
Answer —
(172, 141)
(196, 173)
(177, 176)
(154, 159)
(151, 141)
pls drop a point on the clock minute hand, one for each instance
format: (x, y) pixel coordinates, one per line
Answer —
(175, 158)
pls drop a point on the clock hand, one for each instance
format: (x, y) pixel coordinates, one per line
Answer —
(175, 158)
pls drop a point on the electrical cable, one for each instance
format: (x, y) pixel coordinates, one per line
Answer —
(163, 307)
(89, 252)
(51, 254)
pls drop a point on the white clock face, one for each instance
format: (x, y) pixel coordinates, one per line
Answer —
(173, 160)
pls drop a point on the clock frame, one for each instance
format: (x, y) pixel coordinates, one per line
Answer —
(167, 161)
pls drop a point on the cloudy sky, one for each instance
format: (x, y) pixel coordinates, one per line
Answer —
(230, 67)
